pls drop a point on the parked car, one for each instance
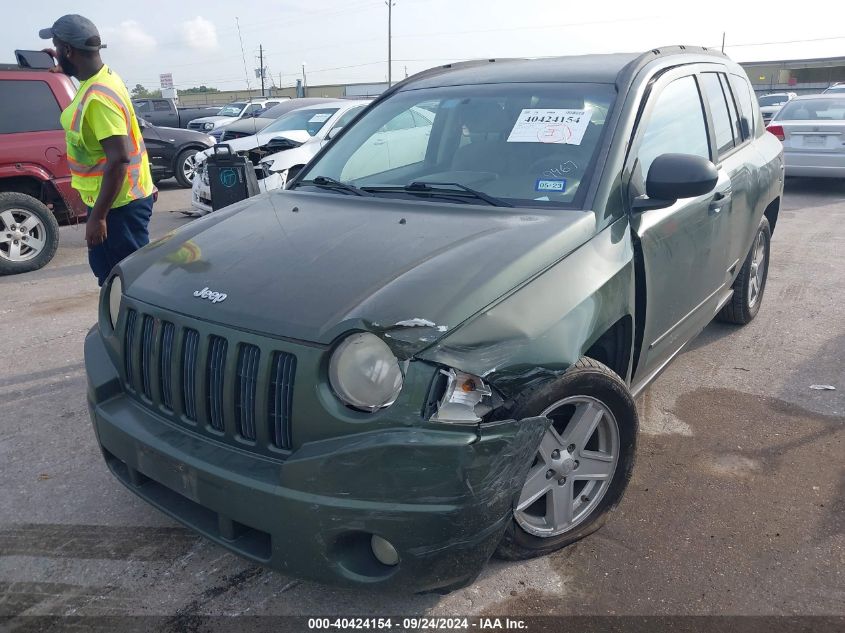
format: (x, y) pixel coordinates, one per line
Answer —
(253, 125)
(166, 113)
(838, 87)
(812, 129)
(291, 141)
(771, 103)
(35, 188)
(383, 375)
(172, 151)
(231, 113)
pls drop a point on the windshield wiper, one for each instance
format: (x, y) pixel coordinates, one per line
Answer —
(444, 189)
(331, 183)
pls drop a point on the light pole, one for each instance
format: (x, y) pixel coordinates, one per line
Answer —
(390, 4)
(304, 82)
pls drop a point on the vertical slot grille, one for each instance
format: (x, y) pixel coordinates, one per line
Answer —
(214, 380)
(128, 341)
(281, 398)
(190, 348)
(147, 327)
(168, 332)
(245, 390)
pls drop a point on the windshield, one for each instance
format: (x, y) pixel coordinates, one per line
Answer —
(233, 109)
(312, 121)
(529, 144)
(813, 110)
(773, 100)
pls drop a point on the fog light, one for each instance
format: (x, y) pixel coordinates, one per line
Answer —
(384, 551)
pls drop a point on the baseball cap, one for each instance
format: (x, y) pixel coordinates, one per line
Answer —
(76, 30)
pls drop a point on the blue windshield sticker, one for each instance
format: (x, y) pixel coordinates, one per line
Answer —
(555, 186)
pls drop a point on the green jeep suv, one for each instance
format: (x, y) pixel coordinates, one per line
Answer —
(426, 352)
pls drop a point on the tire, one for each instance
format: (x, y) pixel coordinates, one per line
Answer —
(750, 283)
(33, 224)
(185, 171)
(591, 388)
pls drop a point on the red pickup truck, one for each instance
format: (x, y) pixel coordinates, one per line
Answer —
(35, 188)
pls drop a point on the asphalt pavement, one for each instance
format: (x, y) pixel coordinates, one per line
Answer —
(737, 503)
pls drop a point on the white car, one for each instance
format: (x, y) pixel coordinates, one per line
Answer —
(301, 132)
(771, 103)
(233, 112)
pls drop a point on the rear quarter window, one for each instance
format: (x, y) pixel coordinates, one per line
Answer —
(28, 106)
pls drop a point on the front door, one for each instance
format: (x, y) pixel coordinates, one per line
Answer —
(683, 245)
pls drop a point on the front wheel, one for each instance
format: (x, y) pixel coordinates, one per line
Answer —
(750, 283)
(186, 167)
(583, 464)
(29, 234)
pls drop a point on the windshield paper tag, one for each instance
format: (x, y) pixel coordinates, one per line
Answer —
(319, 118)
(555, 186)
(550, 126)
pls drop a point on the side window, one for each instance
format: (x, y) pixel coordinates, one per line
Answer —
(722, 127)
(270, 104)
(161, 106)
(676, 124)
(735, 123)
(402, 121)
(28, 106)
(252, 107)
(419, 119)
(142, 106)
(745, 104)
(346, 118)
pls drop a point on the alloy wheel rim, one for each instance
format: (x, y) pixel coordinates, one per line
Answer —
(189, 167)
(758, 270)
(22, 235)
(573, 468)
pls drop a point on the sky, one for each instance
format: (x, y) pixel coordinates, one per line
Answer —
(344, 41)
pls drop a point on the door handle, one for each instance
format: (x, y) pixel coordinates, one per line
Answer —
(720, 199)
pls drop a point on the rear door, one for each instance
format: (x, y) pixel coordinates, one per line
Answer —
(738, 164)
(30, 130)
(682, 251)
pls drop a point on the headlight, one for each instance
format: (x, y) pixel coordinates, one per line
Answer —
(208, 126)
(466, 399)
(115, 293)
(364, 373)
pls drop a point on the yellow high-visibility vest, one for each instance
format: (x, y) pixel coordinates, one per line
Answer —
(102, 108)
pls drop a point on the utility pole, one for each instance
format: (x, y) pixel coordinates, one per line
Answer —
(723, 41)
(304, 82)
(390, 4)
(261, 65)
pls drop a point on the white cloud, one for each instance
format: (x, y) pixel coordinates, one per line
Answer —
(199, 33)
(129, 34)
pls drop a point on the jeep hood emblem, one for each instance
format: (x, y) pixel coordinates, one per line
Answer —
(214, 297)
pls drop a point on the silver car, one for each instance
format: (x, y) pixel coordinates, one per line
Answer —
(812, 129)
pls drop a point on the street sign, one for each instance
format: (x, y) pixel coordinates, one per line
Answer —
(166, 80)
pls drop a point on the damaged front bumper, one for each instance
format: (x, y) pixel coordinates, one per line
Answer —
(441, 496)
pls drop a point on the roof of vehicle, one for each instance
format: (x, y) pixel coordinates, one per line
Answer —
(828, 95)
(335, 103)
(603, 68)
(292, 104)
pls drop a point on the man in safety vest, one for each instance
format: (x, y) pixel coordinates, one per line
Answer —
(105, 151)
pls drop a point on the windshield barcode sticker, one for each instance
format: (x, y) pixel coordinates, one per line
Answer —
(550, 126)
(319, 118)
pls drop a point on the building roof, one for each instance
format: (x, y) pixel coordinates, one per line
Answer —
(799, 63)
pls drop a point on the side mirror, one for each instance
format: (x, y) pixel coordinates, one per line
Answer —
(675, 176)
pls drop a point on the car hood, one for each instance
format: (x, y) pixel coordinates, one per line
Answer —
(180, 135)
(311, 266)
(246, 143)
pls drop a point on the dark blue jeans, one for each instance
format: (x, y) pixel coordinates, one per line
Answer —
(127, 231)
